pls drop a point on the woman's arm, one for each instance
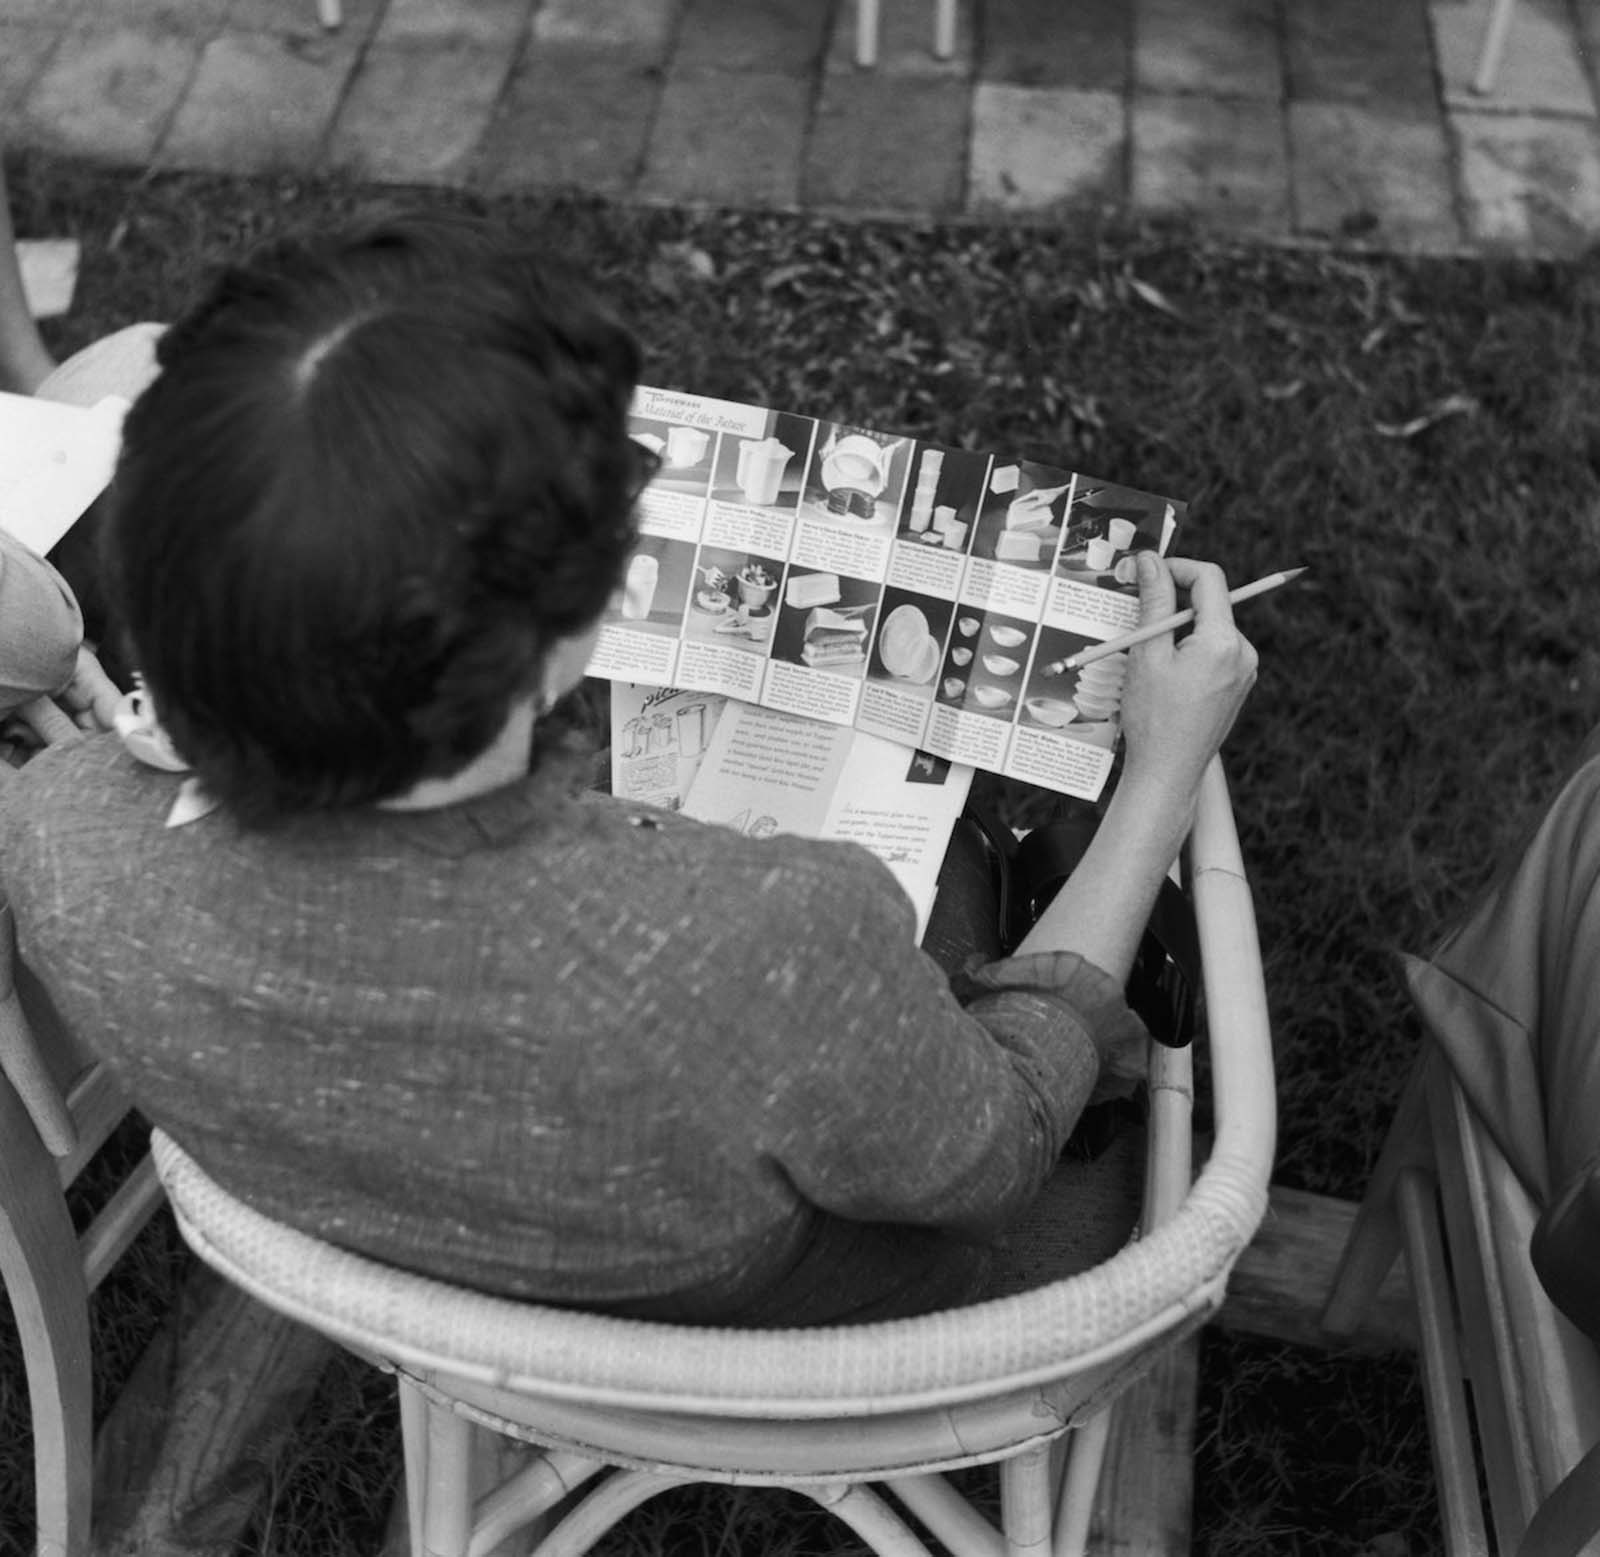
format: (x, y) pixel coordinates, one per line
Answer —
(1180, 702)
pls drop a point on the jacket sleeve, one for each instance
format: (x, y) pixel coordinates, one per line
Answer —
(896, 1102)
(40, 626)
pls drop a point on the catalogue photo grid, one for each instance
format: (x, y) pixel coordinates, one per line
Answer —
(926, 594)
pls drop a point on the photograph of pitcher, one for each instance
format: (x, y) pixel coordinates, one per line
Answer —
(686, 454)
(856, 478)
(764, 472)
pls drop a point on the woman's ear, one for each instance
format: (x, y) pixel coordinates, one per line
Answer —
(565, 662)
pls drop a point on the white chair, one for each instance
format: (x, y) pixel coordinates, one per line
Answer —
(57, 1108)
(626, 1410)
(868, 24)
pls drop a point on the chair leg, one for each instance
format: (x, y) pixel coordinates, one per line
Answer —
(613, 1500)
(414, 1446)
(1493, 46)
(43, 1275)
(447, 1484)
(869, 1516)
(1026, 1491)
(866, 33)
(944, 29)
(953, 1521)
(1085, 1459)
(1486, 1314)
(1450, 1434)
(520, 1505)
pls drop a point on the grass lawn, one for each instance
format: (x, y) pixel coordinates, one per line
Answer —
(1424, 436)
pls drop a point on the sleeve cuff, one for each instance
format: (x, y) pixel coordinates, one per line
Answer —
(1081, 988)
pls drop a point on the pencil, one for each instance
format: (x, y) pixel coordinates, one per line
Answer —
(1171, 623)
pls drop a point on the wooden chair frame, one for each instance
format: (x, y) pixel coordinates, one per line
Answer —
(629, 1409)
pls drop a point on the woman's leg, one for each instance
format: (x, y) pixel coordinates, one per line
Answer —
(965, 921)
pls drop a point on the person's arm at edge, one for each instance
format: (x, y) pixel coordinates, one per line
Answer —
(41, 625)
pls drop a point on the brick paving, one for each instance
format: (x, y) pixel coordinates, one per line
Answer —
(1342, 121)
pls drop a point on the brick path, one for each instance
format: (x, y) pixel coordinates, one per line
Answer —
(1346, 120)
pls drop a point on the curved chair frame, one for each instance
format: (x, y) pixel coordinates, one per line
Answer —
(822, 1411)
(57, 1108)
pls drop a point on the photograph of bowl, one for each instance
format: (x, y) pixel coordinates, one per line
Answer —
(1053, 712)
(1101, 734)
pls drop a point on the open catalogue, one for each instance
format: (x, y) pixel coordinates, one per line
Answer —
(919, 593)
(761, 772)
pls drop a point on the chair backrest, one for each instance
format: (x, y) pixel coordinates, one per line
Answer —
(1090, 1328)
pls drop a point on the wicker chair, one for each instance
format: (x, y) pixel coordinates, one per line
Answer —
(637, 1408)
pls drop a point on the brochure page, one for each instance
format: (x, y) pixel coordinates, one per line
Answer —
(658, 737)
(55, 460)
(764, 772)
(769, 772)
(925, 594)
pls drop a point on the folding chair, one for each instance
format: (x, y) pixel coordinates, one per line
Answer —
(1498, 1119)
(1505, 1376)
(623, 1410)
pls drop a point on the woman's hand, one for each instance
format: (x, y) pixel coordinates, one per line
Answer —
(1178, 703)
(91, 697)
(1182, 697)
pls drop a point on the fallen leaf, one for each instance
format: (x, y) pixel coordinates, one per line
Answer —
(690, 257)
(1154, 297)
(1451, 405)
(783, 275)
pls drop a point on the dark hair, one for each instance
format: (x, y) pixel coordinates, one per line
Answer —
(381, 471)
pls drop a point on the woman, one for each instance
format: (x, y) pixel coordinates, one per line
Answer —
(408, 987)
